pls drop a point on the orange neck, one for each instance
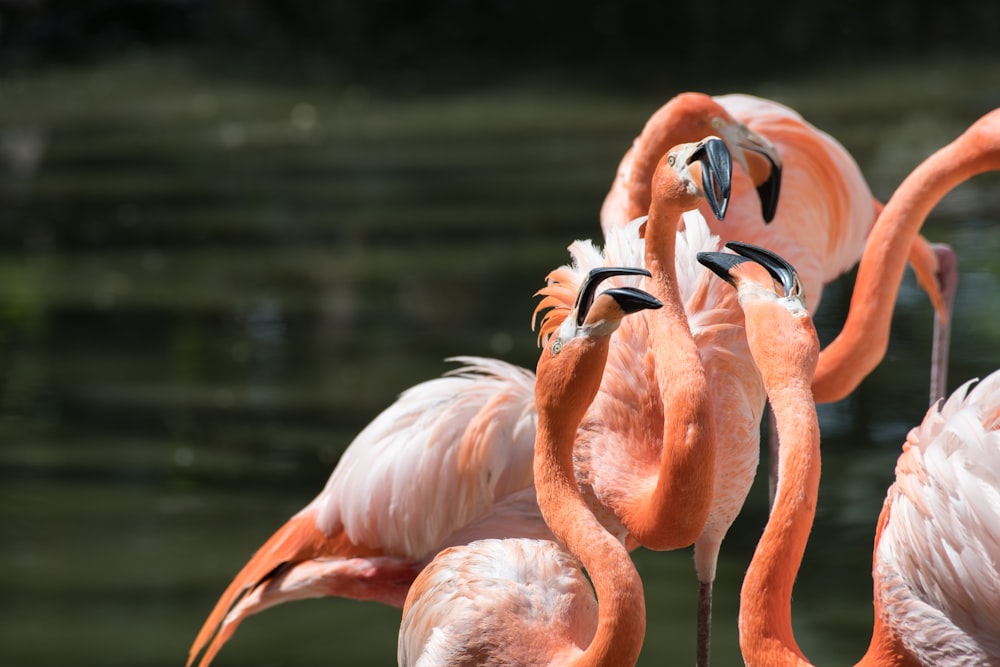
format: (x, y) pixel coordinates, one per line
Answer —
(674, 514)
(765, 618)
(682, 119)
(862, 343)
(622, 609)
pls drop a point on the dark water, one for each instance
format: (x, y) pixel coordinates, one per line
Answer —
(209, 285)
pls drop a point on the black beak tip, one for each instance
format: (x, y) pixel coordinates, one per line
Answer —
(632, 299)
(716, 175)
(777, 266)
(768, 192)
(720, 263)
(585, 298)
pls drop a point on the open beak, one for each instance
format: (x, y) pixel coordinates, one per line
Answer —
(716, 173)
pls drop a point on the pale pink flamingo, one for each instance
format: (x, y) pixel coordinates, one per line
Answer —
(526, 602)
(449, 462)
(936, 565)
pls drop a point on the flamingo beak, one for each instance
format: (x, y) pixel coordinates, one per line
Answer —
(588, 290)
(769, 190)
(716, 173)
(633, 299)
(777, 266)
(722, 264)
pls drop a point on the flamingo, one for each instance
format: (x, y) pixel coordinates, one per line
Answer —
(526, 602)
(375, 525)
(864, 339)
(936, 563)
(652, 463)
(687, 118)
(827, 209)
(448, 463)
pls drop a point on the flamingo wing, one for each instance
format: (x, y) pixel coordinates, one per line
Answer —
(449, 461)
(518, 601)
(937, 561)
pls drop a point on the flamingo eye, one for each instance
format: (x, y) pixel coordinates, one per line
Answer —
(671, 159)
(717, 122)
(557, 346)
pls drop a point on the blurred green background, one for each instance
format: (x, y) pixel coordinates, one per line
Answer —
(231, 233)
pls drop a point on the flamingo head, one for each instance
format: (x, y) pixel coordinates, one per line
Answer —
(695, 115)
(691, 172)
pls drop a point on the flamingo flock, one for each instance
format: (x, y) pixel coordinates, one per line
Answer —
(497, 506)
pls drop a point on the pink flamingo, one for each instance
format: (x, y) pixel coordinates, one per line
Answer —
(449, 462)
(376, 525)
(526, 602)
(646, 453)
(936, 566)
(827, 209)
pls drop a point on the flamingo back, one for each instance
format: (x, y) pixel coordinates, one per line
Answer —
(439, 459)
(826, 208)
(520, 602)
(937, 563)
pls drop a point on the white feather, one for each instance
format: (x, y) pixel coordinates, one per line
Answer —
(940, 551)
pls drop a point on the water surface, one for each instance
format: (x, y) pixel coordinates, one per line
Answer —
(208, 285)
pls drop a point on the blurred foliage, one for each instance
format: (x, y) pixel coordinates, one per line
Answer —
(411, 46)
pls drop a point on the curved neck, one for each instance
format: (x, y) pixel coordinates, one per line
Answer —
(862, 343)
(686, 474)
(765, 617)
(622, 608)
(668, 126)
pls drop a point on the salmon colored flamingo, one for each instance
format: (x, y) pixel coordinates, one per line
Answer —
(821, 225)
(652, 463)
(687, 118)
(936, 565)
(526, 602)
(827, 209)
(864, 339)
(375, 525)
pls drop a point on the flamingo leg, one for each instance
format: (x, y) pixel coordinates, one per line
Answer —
(947, 278)
(704, 624)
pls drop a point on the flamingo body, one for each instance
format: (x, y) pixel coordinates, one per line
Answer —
(826, 208)
(526, 602)
(494, 597)
(937, 546)
(937, 561)
(448, 463)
